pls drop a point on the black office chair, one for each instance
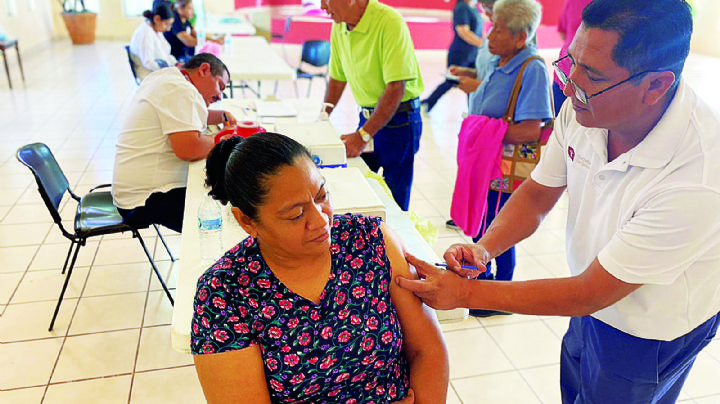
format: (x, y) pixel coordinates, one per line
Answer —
(132, 64)
(315, 53)
(95, 216)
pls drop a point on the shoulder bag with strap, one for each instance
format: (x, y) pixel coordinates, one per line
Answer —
(519, 160)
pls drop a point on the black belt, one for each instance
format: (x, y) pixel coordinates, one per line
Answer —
(406, 106)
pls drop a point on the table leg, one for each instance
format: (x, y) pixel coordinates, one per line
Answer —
(22, 74)
(7, 70)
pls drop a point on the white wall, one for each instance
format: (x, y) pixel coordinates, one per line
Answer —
(33, 28)
(706, 32)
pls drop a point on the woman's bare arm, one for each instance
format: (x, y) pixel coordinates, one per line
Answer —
(423, 345)
(233, 377)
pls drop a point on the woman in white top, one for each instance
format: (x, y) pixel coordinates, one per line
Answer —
(148, 45)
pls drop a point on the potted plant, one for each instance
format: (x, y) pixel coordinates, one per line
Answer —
(79, 22)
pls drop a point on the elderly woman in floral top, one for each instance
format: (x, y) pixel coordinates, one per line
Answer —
(305, 310)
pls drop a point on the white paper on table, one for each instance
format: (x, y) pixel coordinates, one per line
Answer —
(311, 133)
(275, 108)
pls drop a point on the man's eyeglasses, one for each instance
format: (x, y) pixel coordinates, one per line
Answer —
(580, 94)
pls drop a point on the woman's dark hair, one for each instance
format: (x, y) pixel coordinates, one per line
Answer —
(654, 35)
(237, 169)
(162, 10)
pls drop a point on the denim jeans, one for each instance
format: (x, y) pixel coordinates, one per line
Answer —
(395, 147)
(506, 261)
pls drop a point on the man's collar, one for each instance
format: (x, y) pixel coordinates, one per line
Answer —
(366, 19)
(660, 144)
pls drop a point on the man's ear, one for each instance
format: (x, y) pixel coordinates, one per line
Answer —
(244, 221)
(204, 70)
(660, 84)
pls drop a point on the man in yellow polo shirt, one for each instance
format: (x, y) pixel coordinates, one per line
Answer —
(373, 52)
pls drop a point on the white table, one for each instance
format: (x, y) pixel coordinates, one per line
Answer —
(229, 24)
(251, 58)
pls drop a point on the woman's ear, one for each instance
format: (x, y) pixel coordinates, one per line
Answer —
(522, 40)
(244, 221)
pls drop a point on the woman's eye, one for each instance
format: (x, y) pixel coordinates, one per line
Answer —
(296, 218)
(324, 197)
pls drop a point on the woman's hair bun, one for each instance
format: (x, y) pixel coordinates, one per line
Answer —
(148, 14)
(215, 167)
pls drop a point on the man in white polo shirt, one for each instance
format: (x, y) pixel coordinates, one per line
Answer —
(637, 152)
(160, 135)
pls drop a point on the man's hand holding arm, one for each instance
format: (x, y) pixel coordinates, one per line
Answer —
(584, 294)
(385, 109)
(579, 295)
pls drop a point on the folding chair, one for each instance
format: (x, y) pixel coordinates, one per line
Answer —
(95, 215)
(315, 53)
(132, 64)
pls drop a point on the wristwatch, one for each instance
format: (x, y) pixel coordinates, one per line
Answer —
(364, 135)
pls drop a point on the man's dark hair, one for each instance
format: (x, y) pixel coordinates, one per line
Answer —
(217, 67)
(654, 34)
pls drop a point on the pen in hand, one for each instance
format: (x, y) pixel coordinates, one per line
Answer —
(487, 272)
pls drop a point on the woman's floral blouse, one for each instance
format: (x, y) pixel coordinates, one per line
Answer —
(346, 349)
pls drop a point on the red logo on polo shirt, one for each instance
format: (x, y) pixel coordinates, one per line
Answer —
(571, 153)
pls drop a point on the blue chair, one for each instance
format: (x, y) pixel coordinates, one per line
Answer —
(132, 64)
(315, 53)
(96, 214)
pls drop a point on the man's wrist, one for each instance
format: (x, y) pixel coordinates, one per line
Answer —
(366, 137)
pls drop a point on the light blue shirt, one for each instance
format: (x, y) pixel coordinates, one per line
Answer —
(491, 97)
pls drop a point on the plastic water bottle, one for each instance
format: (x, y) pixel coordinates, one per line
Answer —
(210, 230)
(228, 44)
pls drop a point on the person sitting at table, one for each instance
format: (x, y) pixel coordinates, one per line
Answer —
(148, 45)
(182, 36)
(305, 309)
(161, 133)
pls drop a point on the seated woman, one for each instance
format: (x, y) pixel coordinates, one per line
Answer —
(148, 45)
(182, 37)
(306, 309)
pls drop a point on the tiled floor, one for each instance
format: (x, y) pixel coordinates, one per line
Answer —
(111, 341)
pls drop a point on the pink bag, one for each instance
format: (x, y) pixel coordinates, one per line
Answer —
(212, 48)
(479, 157)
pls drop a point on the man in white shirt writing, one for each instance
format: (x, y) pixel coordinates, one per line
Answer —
(162, 132)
